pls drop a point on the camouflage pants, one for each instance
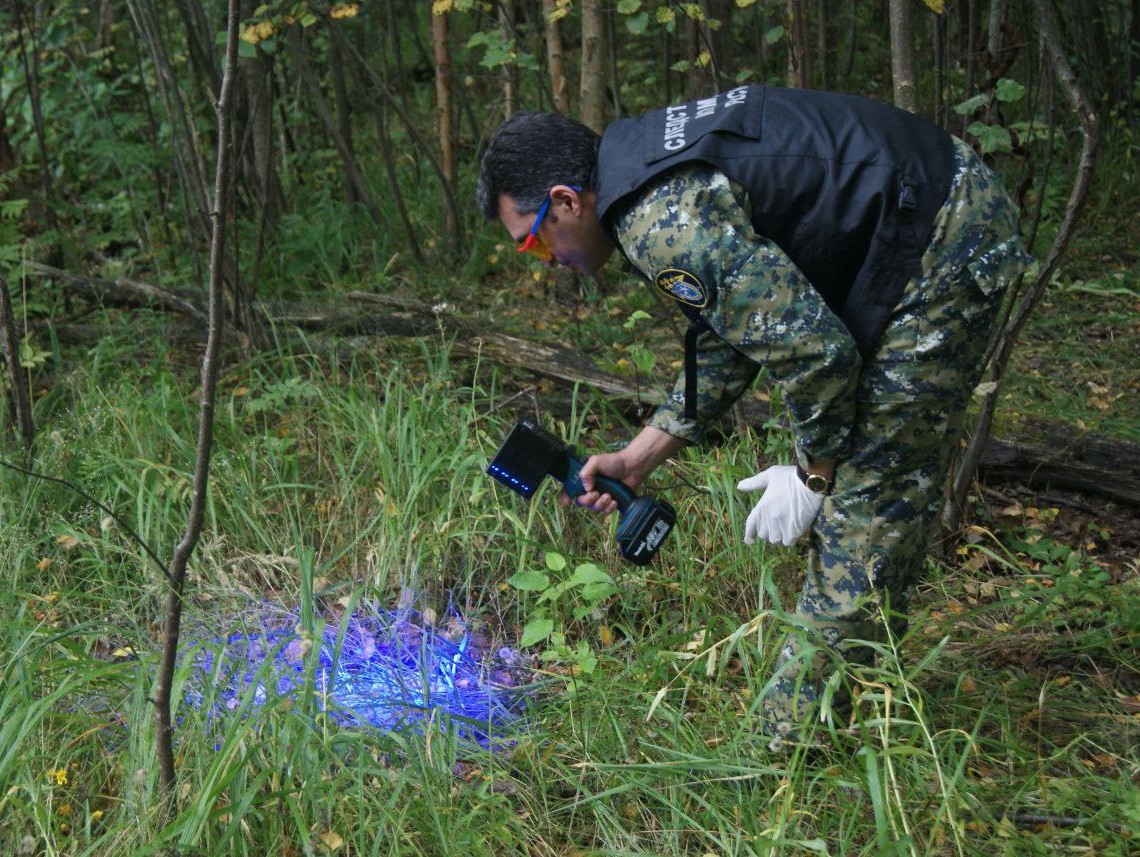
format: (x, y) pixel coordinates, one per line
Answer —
(869, 541)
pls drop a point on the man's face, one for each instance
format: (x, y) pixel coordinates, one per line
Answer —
(569, 231)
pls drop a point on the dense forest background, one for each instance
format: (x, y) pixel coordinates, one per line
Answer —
(358, 126)
(276, 258)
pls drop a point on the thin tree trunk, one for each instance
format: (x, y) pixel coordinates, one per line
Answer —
(26, 31)
(822, 47)
(380, 113)
(209, 378)
(343, 116)
(1006, 339)
(309, 81)
(254, 93)
(1134, 52)
(509, 71)
(972, 49)
(592, 86)
(852, 41)
(993, 30)
(199, 41)
(799, 75)
(21, 399)
(187, 161)
(941, 98)
(559, 85)
(902, 55)
(383, 92)
(444, 113)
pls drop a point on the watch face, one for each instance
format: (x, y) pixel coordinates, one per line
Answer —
(817, 483)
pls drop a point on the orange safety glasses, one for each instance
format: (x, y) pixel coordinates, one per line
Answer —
(533, 243)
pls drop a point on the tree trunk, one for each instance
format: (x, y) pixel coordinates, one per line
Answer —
(559, 85)
(993, 29)
(509, 71)
(902, 55)
(823, 53)
(1007, 336)
(1134, 52)
(384, 94)
(444, 115)
(254, 103)
(26, 30)
(799, 75)
(199, 41)
(20, 403)
(172, 619)
(386, 99)
(592, 87)
(352, 171)
(343, 116)
(187, 159)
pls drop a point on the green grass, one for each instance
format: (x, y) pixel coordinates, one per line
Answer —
(366, 481)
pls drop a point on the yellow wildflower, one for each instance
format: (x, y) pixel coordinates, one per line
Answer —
(60, 776)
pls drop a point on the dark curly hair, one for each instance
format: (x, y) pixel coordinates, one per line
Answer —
(530, 153)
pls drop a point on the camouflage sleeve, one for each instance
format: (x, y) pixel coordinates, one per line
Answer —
(759, 306)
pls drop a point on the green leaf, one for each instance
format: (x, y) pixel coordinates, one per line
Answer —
(530, 581)
(635, 317)
(643, 358)
(637, 24)
(993, 138)
(1009, 90)
(628, 7)
(555, 561)
(597, 592)
(247, 51)
(586, 658)
(536, 631)
(774, 35)
(971, 105)
(587, 572)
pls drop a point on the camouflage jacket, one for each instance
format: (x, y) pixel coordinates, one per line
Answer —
(762, 311)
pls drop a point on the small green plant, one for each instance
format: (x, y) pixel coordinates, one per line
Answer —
(644, 359)
(576, 596)
(992, 138)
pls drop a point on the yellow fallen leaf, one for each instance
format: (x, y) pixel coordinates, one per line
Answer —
(332, 840)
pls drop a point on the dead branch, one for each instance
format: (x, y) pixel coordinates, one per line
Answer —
(121, 291)
(1007, 337)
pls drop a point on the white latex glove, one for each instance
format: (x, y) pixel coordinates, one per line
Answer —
(785, 511)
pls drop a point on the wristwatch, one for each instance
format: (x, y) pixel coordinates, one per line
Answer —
(815, 483)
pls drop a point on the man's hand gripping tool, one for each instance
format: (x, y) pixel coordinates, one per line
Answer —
(529, 453)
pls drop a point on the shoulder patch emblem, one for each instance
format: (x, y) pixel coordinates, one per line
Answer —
(682, 286)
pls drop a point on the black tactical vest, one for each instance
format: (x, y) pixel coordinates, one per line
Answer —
(847, 187)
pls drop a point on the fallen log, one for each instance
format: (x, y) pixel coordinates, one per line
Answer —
(122, 292)
(1055, 459)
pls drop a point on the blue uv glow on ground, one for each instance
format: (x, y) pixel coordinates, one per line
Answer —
(386, 672)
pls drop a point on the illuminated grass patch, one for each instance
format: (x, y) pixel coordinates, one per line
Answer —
(390, 672)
